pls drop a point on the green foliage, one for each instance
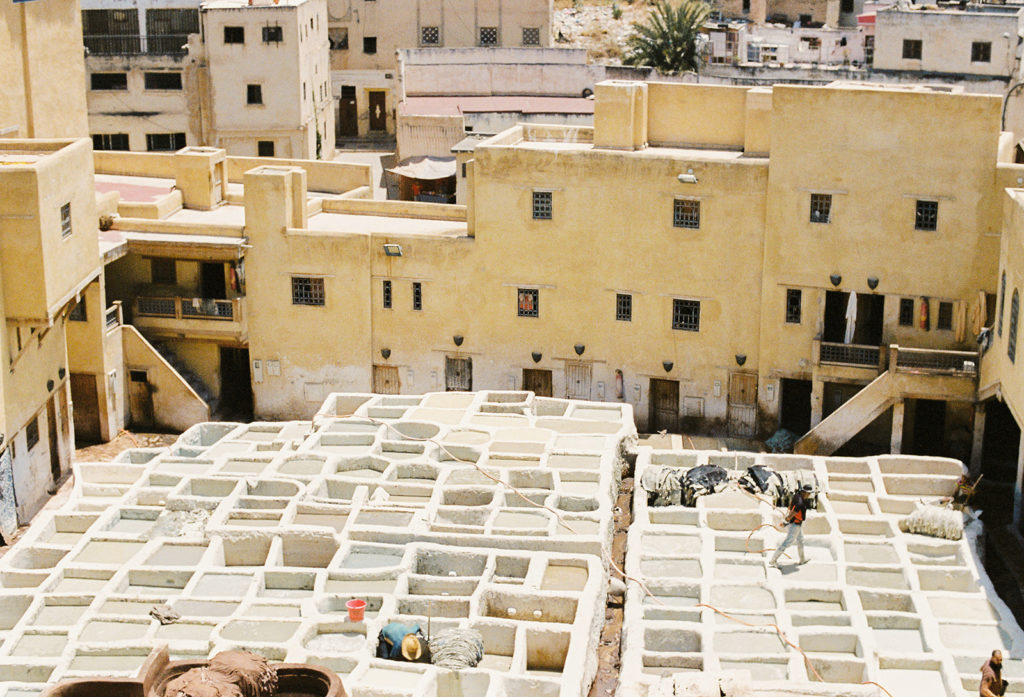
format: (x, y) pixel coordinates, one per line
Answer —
(667, 41)
(616, 11)
(319, 145)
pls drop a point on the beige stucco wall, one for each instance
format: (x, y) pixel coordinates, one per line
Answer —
(175, 405)
(946, 38)
(42, 92)
(63, 263)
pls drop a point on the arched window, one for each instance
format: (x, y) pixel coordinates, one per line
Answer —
(1011, 341)
(1002, 302)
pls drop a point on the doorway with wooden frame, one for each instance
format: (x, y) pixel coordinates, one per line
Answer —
(664, 406)
(140, 398)
(385, 379)
(742, 404)
(577, 379)
(378, 110)
(348, 113)
(458, 374)
(537, 381)
(85, 395)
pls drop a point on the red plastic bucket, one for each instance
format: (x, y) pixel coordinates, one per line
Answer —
(355, 610)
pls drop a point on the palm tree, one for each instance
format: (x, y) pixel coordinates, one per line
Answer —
(668, 39)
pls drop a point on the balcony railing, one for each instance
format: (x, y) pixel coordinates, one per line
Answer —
(113, 315)
(850, 354)
(936, 362)
(136, 44)
(187, 308)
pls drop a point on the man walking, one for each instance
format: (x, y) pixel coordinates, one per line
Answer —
(992, 683)
(794, 526)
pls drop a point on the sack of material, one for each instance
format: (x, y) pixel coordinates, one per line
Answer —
(935, 521)
(662, 485)
(701, 481)
(763, 481)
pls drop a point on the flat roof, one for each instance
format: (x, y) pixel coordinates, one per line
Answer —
(453, 106)
(134, 189)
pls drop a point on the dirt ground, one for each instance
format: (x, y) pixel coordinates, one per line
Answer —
(591, 24)
(104, 452)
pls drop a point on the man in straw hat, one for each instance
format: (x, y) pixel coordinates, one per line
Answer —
(401, 642)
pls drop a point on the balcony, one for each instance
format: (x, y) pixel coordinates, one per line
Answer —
(136, 44)
(855, 355)
(933, 361)
(189, 317)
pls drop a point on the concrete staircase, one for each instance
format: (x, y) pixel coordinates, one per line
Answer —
(877, 396)
(846, 421)
(193, 380)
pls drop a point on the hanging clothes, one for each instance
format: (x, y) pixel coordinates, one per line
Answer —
(851, 318)
(960, 321)
(925, 321)
(979, 313)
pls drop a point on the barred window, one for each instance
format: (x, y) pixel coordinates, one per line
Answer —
(162, 81)
(906, 312)
(1002, 302)
(821, 208)
(32, 432)
(529, 302)
(234, 35)
(542, 205)
(156, 142)
(981, 52)
(531, 36)
(794, 305)
(65, 220)
(488, 36)
(1011, 339)
(945, 318)
(386, 290)
(624, 307)
(686, 213)
(430, 36)
(109, 81)
(686, 315)
(912, 49)
(417, 295)
(109, 141)
(926, 217)
(307, 290)
(77, 313)
(273, 35)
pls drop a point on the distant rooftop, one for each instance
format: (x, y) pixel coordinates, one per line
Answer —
(453, 106)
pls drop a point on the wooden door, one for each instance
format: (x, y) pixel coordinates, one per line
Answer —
(458, 374)
(140, 398)
(537, 381)
(51, 432)
(385, 379)
(348, 113)
(85, 397)
(577, 380)
(378, 111)
(743, 404)
(664, 405)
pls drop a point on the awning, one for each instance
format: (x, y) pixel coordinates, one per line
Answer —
(427, 168)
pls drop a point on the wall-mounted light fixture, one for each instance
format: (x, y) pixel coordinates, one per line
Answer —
(393, 250)
(457, 339)
(687, 178)
(579, 348)
(836, 279)
(741, 358)
(536, 355)
(872, 282)
(386, 352)
(667, 365)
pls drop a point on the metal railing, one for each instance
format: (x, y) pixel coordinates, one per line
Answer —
(850, 354)
(136, 44)
(187, 308)
(934, 361)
